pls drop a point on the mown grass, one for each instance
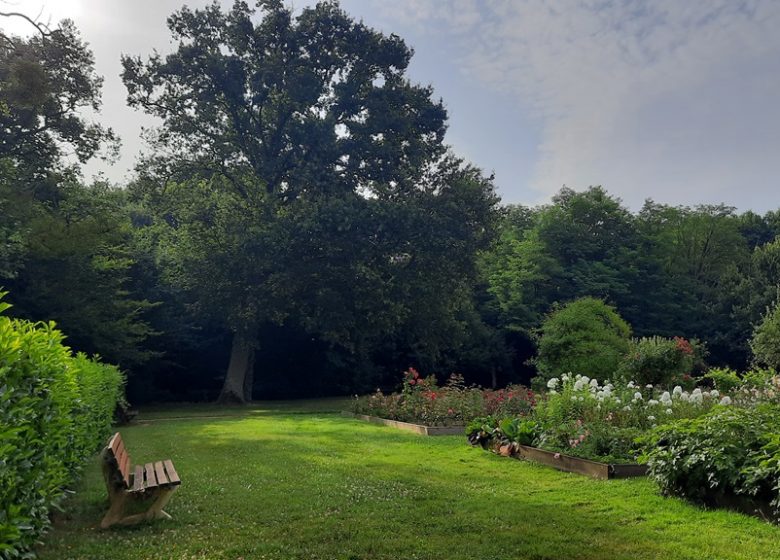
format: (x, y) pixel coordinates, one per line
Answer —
(274, 482)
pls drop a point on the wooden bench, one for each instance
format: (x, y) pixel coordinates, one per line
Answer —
(152, 481)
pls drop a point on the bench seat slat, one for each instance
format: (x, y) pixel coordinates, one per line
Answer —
(151, 479)
(138, 479)
(173, 476)
(159, 470)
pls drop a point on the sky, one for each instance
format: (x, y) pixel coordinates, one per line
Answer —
(674, 100)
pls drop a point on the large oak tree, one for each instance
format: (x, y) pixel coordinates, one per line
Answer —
(300, 176)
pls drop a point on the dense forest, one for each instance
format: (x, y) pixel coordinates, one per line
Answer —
(299, 227)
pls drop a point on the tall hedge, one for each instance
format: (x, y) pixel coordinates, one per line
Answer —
(55, 411)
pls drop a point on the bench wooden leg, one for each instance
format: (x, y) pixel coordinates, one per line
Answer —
(116, 510)
(155, 511)
(116, 515)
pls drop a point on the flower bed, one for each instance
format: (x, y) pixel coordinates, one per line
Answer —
(423, 402)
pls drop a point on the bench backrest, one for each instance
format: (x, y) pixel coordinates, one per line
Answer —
(118, 457)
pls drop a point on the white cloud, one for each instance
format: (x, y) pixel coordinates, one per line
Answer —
(671, 99)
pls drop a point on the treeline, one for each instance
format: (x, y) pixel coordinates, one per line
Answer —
(299, 227)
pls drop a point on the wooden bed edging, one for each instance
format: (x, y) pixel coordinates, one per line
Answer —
(567, 463)
(416, 428)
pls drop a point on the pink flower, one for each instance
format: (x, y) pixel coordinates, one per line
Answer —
(557, 456)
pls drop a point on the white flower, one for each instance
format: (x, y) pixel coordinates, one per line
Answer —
(666, 398)
(601, 395)
(565, 377)
(714, 394)
(685, 396)
(630, 385)
(617, 400)
(637, 396)
(649, 386)
(582, 399)
(668, 410)
(677, 390)
(627, 408)
(552, 383)
(585, 379)
(651, 418)
(574, 398)
(652, 402)
(578, 376)
(725, 400)
(579, 385)
(553, 392)
(594, 383)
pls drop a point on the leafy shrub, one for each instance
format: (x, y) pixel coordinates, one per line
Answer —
(724, 379)
(586, 336)
(422, 401)
(765, 342)
(492, 432)
(730, 451)
(55, 410)
(658, 360)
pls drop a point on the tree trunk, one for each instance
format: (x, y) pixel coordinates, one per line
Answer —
(239, 374)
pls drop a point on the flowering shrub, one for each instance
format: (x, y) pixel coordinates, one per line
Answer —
(422, 401)
(659, 360)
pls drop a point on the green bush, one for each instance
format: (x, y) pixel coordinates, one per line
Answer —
(765, 342)
(55, 410)
(657, 360)
(586, 336)
(730, 451)
(725, 379)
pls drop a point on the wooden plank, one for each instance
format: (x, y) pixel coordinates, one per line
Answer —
(172, 474)
(151, 479)
(416, 428)
(138, 478)
(159, 470)
(119, 457)
(565, 462)
(125, 469)
(116, 443)
(112, 443)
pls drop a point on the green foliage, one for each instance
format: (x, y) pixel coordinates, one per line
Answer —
(724, 379)
(657, 360)
(730, 451)
(586, 336)
(55, 411)
(765, 342)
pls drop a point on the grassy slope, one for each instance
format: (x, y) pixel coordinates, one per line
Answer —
(276, 483)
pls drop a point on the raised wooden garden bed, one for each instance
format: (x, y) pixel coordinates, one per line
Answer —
(567, 463)
(416, 428)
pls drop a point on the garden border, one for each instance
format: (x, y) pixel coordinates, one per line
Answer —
(409, 427)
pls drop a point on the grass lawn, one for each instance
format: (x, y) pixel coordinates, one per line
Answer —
(296, 481)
